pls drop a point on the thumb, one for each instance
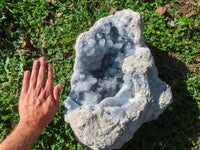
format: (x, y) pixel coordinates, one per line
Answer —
(57, 91)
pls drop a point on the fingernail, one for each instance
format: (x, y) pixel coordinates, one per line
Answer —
(42, 59)
(48, 65)
(36, 62)
(60, 87)
(27, 72)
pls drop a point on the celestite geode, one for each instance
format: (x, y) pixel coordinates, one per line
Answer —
(115, 86)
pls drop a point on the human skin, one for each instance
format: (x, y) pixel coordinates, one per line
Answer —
(38, 104)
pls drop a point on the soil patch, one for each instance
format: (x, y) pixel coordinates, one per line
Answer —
(188, 6)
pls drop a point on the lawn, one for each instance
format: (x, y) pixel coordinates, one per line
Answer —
(33, 28)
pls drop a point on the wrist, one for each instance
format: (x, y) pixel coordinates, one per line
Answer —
(31, 127)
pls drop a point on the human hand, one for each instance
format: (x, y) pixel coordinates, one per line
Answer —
(39, 101)
(38, 104)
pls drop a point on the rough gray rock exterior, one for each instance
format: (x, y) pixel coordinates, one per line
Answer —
(115, 86)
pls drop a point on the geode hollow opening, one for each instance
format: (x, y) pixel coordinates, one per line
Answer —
(115, 86)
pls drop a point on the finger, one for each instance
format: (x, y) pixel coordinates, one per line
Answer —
(42, 73)
(50, 80)
(34, 74)
(57, 91)
(42, 95)
(25, 84)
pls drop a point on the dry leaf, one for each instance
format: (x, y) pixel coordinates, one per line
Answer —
(89, 22)
(4, 83)
(161, 10)
(17, 94)
(28, 44)
(50, 1)
(113, 10)
(190, 15)
(25, 52)
(46, 20)
(1, 136)
(71, 6)
(43, 49)
(171, 23)
(58, 15)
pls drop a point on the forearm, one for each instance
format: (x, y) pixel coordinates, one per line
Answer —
(22, 138)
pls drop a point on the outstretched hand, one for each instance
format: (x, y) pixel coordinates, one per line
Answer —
(38, 104)
(39, 101)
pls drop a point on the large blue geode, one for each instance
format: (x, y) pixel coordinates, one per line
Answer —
(115, 85)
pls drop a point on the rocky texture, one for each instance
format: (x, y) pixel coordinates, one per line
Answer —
(115, 86)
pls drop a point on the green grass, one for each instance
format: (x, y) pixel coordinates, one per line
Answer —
(176, 51)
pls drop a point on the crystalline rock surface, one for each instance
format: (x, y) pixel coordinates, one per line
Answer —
(115, 86)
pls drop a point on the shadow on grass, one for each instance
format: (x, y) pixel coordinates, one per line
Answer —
(174, 128)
